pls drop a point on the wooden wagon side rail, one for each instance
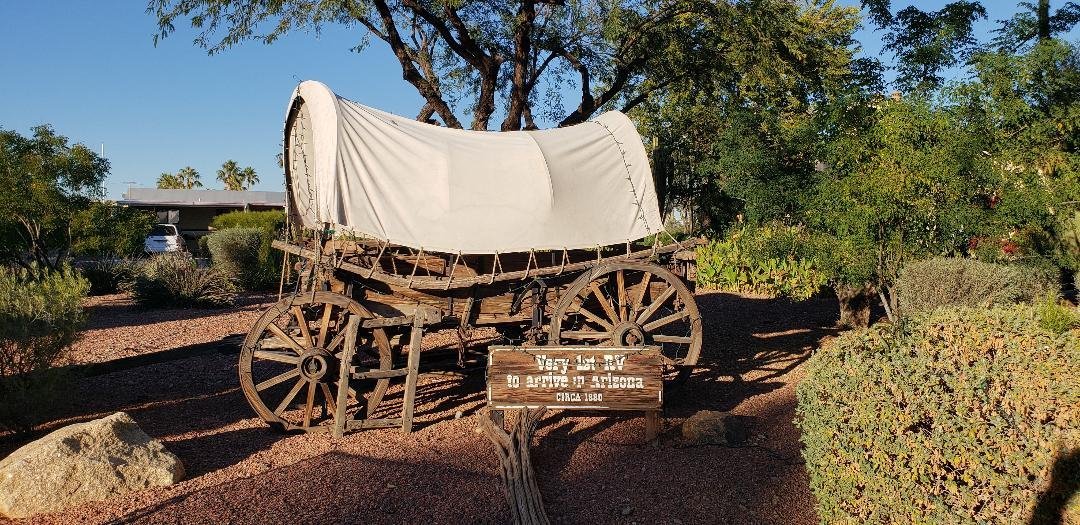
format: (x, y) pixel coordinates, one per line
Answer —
(432, 282)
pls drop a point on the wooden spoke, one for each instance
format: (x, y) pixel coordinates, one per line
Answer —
(269, 343)
(309, 406)
(328, 397)
(643, 288)
(301, 321)
(656, 305)
(592, 316)
(604, 302)
(285, 337)
(274, 343)
(291, 395)
(277, 379)
(649, 311)
(324, 326)
(585, 334)
(665, 320)
(277, 356)
(620, 280)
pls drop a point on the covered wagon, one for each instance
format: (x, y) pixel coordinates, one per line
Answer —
(552, 237)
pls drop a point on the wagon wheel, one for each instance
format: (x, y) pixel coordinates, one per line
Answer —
(630, 304)
(289, 364)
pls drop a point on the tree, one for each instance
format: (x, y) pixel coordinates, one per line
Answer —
(515, 58)
(107, 229)
(236, 179)
(46, 182)
(185, 179)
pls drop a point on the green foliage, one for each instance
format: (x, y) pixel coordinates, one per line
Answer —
(955, 417)
(110, 275)
(1057, 317)
(174, 280)
(236, 179)
(245, 255)
(40, 316)
(46, 181)
(271, 220)
(105, 229)
(185, 179)
(256, 270)
(949, 281)
(768, 260)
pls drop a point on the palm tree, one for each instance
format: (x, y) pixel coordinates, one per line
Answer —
(236, 179)
(184, 179)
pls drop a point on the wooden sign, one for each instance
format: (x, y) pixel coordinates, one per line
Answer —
(569, 377)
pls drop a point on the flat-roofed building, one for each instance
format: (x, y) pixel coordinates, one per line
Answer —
(192, 210)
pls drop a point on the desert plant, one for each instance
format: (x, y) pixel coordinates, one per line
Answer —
(766, 260)
(110, 275)
(951, 281)
(1057, 317)
(954, 416)
(40, 316)
(270, 220)
(245, 255)
(173, 279)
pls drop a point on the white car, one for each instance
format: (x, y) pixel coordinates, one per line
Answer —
(163, 238)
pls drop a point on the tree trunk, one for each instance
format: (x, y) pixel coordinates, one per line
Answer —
(855, 302)
(519, 479)
(1044, 20)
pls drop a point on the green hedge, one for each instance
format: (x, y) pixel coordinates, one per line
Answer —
(957, 416)
(948, 281)
(272, 220)
(40, 317)
(771, 260)
(245, 255)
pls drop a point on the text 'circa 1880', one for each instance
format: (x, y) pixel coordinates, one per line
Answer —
(595, 378)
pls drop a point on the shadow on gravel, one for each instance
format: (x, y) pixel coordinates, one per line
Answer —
(339, 487)
(123, 311)
(749, 345)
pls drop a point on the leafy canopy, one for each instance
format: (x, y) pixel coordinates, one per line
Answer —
(46, 182)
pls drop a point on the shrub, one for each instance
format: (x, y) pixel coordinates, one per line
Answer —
(956, 416)
(110, 275)
(173, 279)
(107, 229)
(40, 316)
(245, 255)
(766, 260)
(1056, 317)
(945, 281)
(271, 220)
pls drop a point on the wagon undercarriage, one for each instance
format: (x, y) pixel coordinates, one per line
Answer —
(303, 368)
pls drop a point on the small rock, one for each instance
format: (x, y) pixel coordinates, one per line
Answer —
(458, 414)
(626, 511)
(716, 428)
(84, 462)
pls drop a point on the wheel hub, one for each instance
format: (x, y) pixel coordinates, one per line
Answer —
(628, 334)
(314, 364)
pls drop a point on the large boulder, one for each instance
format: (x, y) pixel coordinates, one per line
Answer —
(84, 462)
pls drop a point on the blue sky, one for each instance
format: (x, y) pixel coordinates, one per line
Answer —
(90, 69)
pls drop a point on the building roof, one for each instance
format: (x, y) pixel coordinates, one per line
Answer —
(208, 198)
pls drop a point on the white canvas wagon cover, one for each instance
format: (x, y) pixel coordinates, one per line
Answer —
(456, 191)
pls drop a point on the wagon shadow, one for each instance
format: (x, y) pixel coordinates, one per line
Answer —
(305, 492)
(118, 311)
(749, 345)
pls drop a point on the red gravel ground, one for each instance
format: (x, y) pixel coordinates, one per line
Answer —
(591, 469)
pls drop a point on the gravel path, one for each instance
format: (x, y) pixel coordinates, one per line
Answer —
(117, 327)
(591, 469)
